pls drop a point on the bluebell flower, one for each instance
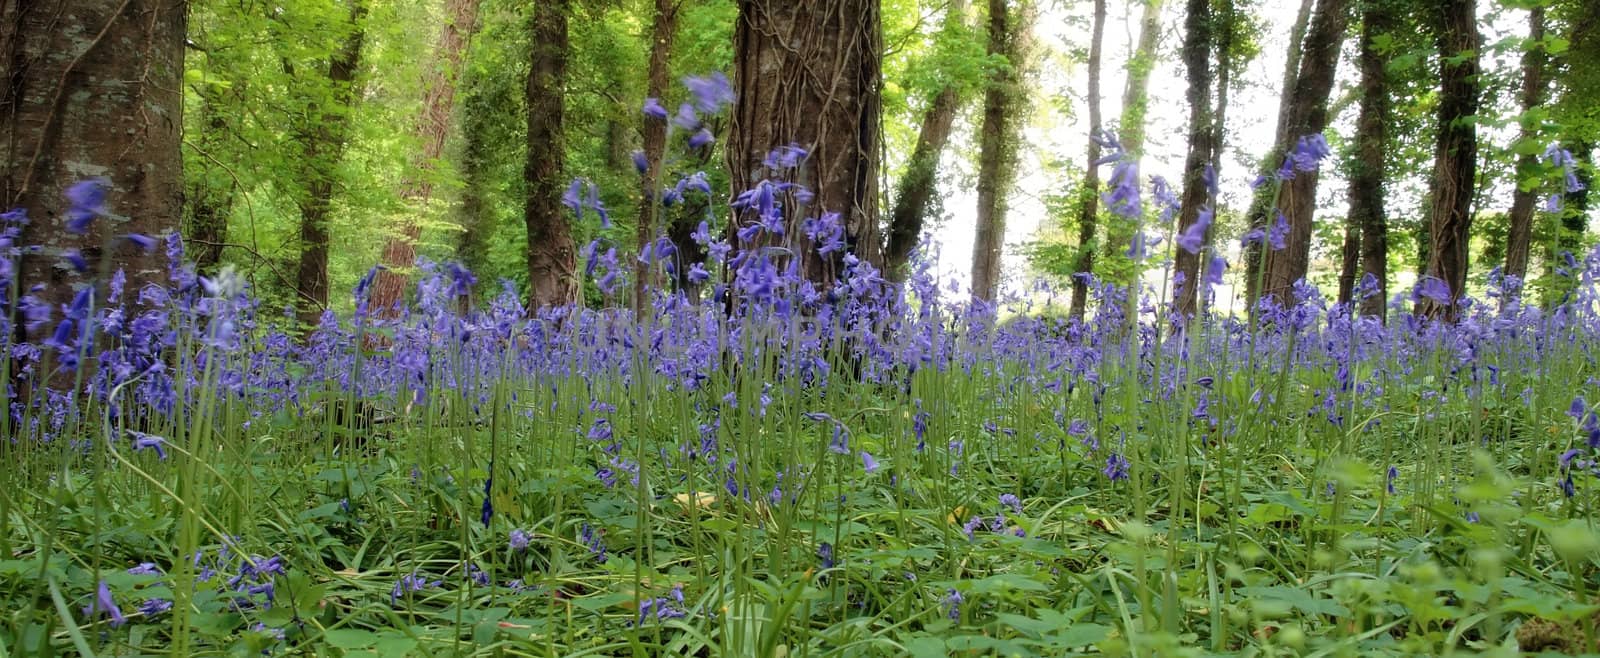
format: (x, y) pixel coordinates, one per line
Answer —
(711, 92)
(572, 198)
(686, 118)
(1011, 500)
(74, 258)
(953, 600)
(1194, 237)
(653, 109)
(1116, 467)
(140, 241)
(698, 274)
(1309, 152)
(1278, 236)
(1215, 268)
(488, 504)
(1433, 288)
(154, 606)
(86, 200)
(408, 584)
(104, 604)
(701, 139)
(142, 441)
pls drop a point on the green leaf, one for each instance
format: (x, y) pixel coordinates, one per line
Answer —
(350, 638)
(926, 647)
(1080, 635)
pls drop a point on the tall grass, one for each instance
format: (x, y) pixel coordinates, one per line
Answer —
(856, 469)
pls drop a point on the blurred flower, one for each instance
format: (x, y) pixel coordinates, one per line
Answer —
(104, 604)
(711, 92)
(653, 109)
(86, 200)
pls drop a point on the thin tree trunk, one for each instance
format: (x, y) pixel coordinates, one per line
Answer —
(552, 259)
(432, 128)
(1519, 236)
(917, 186)
(1089, 202)
(323, 143)
(1223, 13)
(91, 87)
(1261, 202)
(1308, 114)
(808, 73)
(1197, 49)
(210, 196)
(1455, 153)
(475, 211)
(654, 134)
(1367, 210)
(997, 160)
(1131, 125)
(1349, 260)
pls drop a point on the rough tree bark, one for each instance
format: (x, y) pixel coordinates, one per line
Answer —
(654, 134)
(92, 88)
(997, 159)
(915, 191)
(1371, 146)
(1455, 159)
(809, 73)
(1089, 203)
(1197, 49)
(431, 129)
(322, 142)
(1223, 28)
(1131, 125)
(1308, 114)
(552, 259)
(1519, 236)
(1262, 200)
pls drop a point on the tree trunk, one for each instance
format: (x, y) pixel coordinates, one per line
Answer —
(210, 195)
(92, 88)
(1455, 153)
(1197, 48)
(997, 159)
(322, 143)
(432, 128)
(1089, 202)
(654, 134)
(1371, 146)
(1261, 202)
(1224, 16)
(552, 259)
(476, 212)
(915, 191)
(1308, 114)
(1519, 236)
(1131, 127)
(1349, 260)
(808, 73)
